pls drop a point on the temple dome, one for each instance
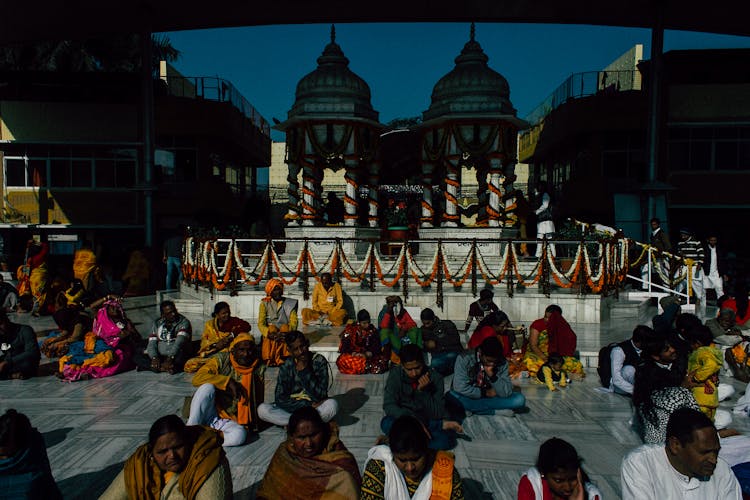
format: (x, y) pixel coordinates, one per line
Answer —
(332, 89)
(471, 87)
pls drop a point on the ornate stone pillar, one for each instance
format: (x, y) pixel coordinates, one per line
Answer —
(308, 193)
(350, 198)
(450, 216)
(494, 213)
(428, 211)
(373, 170)
(292, 191)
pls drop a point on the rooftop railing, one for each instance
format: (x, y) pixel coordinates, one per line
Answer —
(585, 84)
(216, 89)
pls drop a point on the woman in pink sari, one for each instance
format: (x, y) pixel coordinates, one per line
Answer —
(106, 350)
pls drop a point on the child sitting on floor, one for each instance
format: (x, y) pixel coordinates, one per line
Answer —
(551, 372)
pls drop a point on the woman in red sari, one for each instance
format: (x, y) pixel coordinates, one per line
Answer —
(360, 348)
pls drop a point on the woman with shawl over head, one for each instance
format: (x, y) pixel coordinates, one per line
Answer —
(397, 328)
(178, 462)
(71, 319)
(277, 315)
(407, 469)
(218, 333)
(32, 276)
(312, 464)
(552, 333)
(106, 350)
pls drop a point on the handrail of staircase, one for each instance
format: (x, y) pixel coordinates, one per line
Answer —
(651, 264)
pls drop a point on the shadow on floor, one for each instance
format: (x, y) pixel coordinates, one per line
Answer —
(55, 437)
(349, 402)
(474, 490)
(89, 484)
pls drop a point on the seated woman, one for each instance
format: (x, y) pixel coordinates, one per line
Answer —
(551, 334)
(498, 325)
(739, 304)
(106, 350)
(558, 475)
(71, 319)
(312, 463)
(397, 328)
(178, 462)
(277, 315)
(406, 468)
(24, 466)
(217, 335)
(360, 348)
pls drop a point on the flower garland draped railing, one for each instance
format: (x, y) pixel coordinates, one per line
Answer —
(678, 269)
(602, 273)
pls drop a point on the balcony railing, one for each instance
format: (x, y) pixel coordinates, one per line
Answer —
(585, 84)
(216, 89)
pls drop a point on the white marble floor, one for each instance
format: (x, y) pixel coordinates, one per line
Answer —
(91, 427)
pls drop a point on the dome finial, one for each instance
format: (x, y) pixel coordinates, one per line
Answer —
(333, 33)
(472, 32)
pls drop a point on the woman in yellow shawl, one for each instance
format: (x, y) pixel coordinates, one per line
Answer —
(177, 463)
(32, 277)
(311, 464)
(84, 262)
(277, 315)
(218, 333)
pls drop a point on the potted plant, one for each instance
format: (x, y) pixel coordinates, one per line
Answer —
(396, 219)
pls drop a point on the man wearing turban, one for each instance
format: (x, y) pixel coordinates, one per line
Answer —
(277, 316)
(230, 388)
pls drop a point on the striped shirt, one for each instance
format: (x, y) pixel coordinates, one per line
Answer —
(691, 249)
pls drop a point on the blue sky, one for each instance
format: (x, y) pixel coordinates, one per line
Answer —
(402, 62)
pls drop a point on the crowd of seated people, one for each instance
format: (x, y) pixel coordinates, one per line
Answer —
(665, 371)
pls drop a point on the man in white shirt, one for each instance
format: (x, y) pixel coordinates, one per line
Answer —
(714, 273)
(687, 466)
(624, 357)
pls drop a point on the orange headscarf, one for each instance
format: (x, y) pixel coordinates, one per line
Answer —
(272, 283)
(243, 406)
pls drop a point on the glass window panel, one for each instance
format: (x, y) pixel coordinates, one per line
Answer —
(702, 133)
(59, 173)
(81, 173)
(726, 155)
(700, 156)
(125, 175)
(679, 156)
(744, 156)
(15, 172)
(105, 173)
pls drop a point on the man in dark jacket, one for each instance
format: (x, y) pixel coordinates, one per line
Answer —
(625, 357)
(441, 340)
(414, 389)
(19, 352)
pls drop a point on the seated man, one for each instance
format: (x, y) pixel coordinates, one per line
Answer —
(168, 342)
(481, 308)
(8, 296)
(724, 328)
(413, 389)
(481, 384)
(327, 304)
(19, 351)
(230, 388)
(302, 381)
(441, 340)
(397, 328)
(624, 358)
(686, 466)
(277, 316)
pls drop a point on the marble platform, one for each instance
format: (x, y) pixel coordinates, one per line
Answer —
(92, 427)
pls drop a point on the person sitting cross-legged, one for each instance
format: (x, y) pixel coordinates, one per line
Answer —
(360, 348)
(481, 384)
(397, 328)
(230, 388)
(218, 333)
(687, 465)
(169, 341)
(413, 389)
(441, 340)
(302, 381)
(19, 351)
(327, 304)
(408, 468)
(277, 315)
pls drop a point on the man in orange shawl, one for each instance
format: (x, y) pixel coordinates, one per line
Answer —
(311, 464)
(230, 388)
(277, 315)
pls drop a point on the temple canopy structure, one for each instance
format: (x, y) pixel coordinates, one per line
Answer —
(471, 122)
(331, 125)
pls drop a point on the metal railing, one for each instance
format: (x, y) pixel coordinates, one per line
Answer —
(216, 89)
(585, 84)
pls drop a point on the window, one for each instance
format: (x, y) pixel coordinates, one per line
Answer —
(81, 173)
(705, 148)
(59, 173)
(15, 172)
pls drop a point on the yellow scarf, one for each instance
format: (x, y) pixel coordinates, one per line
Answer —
(244, 415)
